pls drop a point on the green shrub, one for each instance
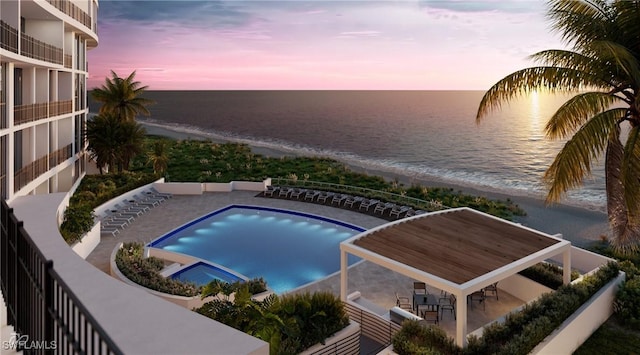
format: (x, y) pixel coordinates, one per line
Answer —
(78, 220)
(627, 303)
(547, 274)
(414, 338)
(146, 272)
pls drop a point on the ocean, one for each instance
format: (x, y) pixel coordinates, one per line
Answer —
(430, 135)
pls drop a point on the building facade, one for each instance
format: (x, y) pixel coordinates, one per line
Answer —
(43, 93)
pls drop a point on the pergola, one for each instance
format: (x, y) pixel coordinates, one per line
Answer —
(458, 250)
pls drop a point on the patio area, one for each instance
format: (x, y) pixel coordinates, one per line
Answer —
(376, 284)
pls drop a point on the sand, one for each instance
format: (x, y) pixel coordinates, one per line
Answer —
(581, 226)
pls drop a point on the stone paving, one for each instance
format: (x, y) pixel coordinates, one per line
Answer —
(375, 283)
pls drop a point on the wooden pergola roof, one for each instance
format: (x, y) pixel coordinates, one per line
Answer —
(458, 246)
(459, 251)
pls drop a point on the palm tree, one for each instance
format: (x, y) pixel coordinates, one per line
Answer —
(122, 97)
(602, 71)
(113, 143)
(159, 158)
(102, 134)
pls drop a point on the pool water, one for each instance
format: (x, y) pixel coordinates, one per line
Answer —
(288, 249)
(202, 273)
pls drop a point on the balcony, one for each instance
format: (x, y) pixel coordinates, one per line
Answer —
(73, 11)
(8, 37)
(33, 170)
(36, 49)
(3, 115)
(33, 112)
(68, 61)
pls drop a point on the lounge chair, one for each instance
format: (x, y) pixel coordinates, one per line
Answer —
(352, 201)
(366, 204)
(311, 194)
(284, 192)
(338, 199)
(324, 196)
(271, 190)
(381, 207)
(398, 210)
(154, 192)
(296, 193)
(109, 230)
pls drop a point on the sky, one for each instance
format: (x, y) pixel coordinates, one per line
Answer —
(318, 44)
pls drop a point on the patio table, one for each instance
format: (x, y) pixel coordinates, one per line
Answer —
(428, 301)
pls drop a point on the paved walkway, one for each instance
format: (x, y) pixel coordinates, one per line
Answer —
(375, 283)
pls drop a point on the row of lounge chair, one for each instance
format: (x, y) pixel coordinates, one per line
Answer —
(359, 203)
(124, 213)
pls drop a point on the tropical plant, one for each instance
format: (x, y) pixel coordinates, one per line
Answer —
(602, 71)
(159, 158)
(122, 97)
(113, 143)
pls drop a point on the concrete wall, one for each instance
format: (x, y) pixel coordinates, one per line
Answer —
(88, 242)
(196, 188)
(579, 327)
(351, 329)
(522, 287)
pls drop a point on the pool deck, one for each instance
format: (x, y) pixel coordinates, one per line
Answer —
(375, 283)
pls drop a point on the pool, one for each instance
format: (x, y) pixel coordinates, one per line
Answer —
(202, 273)
(288, 249)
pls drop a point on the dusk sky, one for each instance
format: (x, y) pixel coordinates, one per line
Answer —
(243, 45)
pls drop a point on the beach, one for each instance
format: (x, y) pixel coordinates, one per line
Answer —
(581, 226)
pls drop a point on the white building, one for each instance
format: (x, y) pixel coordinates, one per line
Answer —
(43, 93)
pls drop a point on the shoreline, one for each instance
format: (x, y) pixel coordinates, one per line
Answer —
(579, 225)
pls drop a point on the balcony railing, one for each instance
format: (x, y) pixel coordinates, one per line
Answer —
(33, 170)
(36, 49)
(40, 304)
(72, 10)
(68, 61)
(8, 37)
(33, 112)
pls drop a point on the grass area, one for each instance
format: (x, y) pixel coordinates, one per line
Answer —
(203, 161)
(611, 338)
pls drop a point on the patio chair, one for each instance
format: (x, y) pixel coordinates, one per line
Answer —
(324, 196)
(398, 210)
(352, 201)
(311, 194)
(493, 288)
(404, 303)
(382, 207)
(154, 192)
(448, 304)
(296, 193)
(366, 204)
(431, 315)
(479, 297)
(420, 288)
(270, 191)
(338, 199)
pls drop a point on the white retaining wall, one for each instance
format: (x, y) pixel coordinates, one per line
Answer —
(88, 242)
(581, 324)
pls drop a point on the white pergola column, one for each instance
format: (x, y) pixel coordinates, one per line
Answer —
(566, 267)
(461, 320)
(344, 281)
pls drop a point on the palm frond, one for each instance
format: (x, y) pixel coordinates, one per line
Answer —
(521, 82)
(573, 162)
(579, 22)
(576, 111)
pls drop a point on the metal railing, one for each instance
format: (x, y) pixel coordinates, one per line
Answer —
(372, 325)
(347, 346)
(8, 37)
(33, 112)
(33, 170)
(3, 115)
(37, 49)
(73, 11)
(41, 307)
(68, 61)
